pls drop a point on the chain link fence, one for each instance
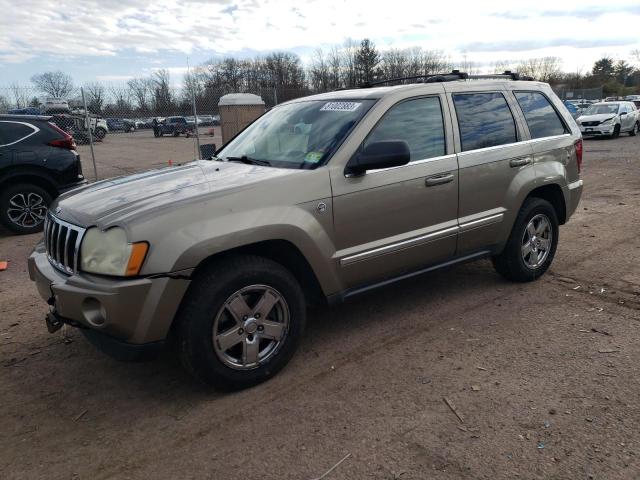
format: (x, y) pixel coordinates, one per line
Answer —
(126, 128)
(565, 93)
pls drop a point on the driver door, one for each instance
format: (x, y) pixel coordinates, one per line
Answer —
(394, 220)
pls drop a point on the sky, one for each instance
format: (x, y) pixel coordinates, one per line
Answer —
(115, 40)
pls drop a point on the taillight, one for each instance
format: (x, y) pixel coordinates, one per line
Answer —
(578, 146)
(65, 142)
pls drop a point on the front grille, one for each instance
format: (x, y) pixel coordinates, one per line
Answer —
(590, 124)
(62, 241)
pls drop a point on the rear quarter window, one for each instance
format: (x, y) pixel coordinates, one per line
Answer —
(543, 120)
(484, 119)
(14, 132)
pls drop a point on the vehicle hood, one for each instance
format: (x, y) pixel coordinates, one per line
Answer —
(600, 117)
(120, 200)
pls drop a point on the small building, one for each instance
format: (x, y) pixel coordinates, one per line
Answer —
(237, 110)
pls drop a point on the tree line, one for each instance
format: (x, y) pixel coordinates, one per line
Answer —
(281, 76)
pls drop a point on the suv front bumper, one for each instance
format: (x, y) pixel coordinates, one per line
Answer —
(134, 311)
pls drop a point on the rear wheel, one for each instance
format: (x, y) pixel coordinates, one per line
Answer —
(240, 322)
(532, 244)
(23, 207)
(634, 130)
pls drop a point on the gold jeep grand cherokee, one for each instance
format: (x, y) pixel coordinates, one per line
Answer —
(320, 199)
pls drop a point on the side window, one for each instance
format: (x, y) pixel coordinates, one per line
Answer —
(11, 132)
(541, 117)
(485, 120)
(419, 122)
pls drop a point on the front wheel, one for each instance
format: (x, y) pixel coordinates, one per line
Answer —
(616, 132)
(532, 244)
(240, 322)
(23, 207)
(100, 133)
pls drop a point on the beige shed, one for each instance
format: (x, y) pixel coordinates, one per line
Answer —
(237, 110)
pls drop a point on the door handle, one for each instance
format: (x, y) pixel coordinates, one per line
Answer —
(438, 180)
(520, 162)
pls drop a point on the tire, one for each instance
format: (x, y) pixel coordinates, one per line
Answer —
(513, 263)
(616, 132)
(100, 133)
(206, 311)
(634, 130)
(29, 199)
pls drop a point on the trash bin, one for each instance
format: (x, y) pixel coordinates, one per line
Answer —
(237, 110)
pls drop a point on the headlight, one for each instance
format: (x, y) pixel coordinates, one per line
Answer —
(109, 253)
(607, 122)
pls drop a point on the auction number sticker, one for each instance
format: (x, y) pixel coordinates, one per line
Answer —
(340, 107)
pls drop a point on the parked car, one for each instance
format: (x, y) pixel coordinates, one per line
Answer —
(191, 121)
(174, 126)
(55, 105)
(609, 119)
(381, 185)
(38, 161)
(114, 124)
(206, 120)
(25, 111)
(573, 110)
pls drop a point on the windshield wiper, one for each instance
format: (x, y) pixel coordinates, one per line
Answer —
(248, 160)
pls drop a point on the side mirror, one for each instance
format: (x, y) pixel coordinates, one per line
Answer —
(207, 151)
(386, 154)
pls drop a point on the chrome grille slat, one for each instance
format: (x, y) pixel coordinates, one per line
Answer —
(66, 247)
(62, 241)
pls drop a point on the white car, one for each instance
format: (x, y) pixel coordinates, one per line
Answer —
(609, 119)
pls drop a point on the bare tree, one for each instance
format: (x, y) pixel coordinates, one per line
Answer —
(544, 69)
(141, 90)
(4, 104)
(95, 96)
(121, 98)
(19, 95)
(162, 95)
(57, 84)
(319, 71)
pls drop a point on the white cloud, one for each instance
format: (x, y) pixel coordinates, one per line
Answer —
(579, 32)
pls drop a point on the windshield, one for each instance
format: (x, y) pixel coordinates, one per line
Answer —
(600, 109)
(298, 135)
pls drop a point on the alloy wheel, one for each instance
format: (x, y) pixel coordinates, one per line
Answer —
(536, 241)
(26, 209)
(251, 327)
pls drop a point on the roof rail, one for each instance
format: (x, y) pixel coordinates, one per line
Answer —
(506, 73)
(434, 77)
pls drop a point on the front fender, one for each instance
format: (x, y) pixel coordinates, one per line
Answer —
(301, 225)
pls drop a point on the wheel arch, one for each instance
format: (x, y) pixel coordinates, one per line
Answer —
(552, 193)
(281, 251)
(27, 176)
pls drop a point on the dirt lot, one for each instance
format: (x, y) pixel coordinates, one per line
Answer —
(543, 375)
(124, 153)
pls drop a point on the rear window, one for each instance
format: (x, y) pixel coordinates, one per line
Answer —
(541, 117)
(484, 119)
(13, 132)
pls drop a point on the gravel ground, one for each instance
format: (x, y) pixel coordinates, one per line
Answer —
(543, 375)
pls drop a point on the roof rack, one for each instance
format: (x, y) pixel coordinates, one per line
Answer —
(434, 77)
(506, 73)
(448, 77)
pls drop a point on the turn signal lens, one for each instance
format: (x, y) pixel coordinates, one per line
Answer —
(138, 254)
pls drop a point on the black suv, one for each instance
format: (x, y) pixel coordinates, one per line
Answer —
(38, 162)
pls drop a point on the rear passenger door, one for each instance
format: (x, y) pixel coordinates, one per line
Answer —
(494, 160)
